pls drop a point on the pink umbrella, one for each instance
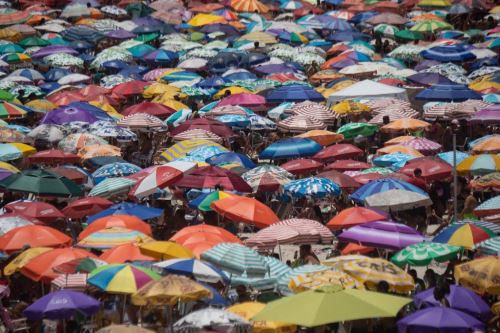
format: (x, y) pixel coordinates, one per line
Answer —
(302, 166)
(243, 99)
(423, 145)
(309, 227)
(40, 211)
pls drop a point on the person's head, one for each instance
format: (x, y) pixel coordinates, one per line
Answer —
(438, 293)
(227, 92)
(256, 44)
(386, 120)
(413, 274)
(241, 290)
(305, 250)
(417, 172)
(89, 5)
(430, 275)
(383, 287)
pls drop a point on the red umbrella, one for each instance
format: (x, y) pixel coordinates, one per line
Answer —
(53, 156)
(347, 165)
(342, 180)
(353, 216)
(41, 211)
(87, 206)
(124, 253)
(433, 168)
(243, 99)
(242, 209)
(65, 97)
(70, 173)
(212, 176)
(130, 88)
(302, 166)
(338, 152)
(353, 248)
(92, 90)
(207, 124)
(154, 109)
(365, 178)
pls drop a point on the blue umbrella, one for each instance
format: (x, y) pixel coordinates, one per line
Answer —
(450, 34)
(118, 169)
(448, 93)
(394, 161)
(338, 24)
(217, 299)
(361, 17)
(294, 93)
(212, 82)
(234, 120)
(161, 56)
(382, 185)
(492, 98)
(448, 156)
(54, 74)
(231, 158)
(240, 76)
(115, 64)
(200, 270)
(258, 123)
(202, 153)
(128, 208)
(346, 36)
(312, 187)
(448, 53)
(290, 148)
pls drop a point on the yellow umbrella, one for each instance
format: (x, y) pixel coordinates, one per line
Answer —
(164, 250)
(9, 167)
(173, 104)
(321, 279)
(203, 19)
(259, 36)
(495, 9)
(248, 310)
(24, 148)
(157, 89)
(487, 146)
(169, 290)
(233, 90)
(180, 149)
(41, 104)
(434, 3)
(480, 275)
(371, 271)
(23, 258)
(105, 107)
(323, 137)
(484, 84)
(347, 107)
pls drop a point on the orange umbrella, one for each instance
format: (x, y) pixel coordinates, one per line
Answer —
(244, 209)
(353, 216)
(40, 268)
(200, 242)
(322, 137)
(405, 124)
(98, 150)
(399, 139)
(487, 146)
(34, 236)
(121, 221)
(250, 6)
(353, 248)
(202, 229)
(399, 149)
(122, 253)
(207, 8)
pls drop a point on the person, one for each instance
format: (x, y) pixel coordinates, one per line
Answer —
(430, 278)
(418, 180)
(419, 283)
(306, 256)
(470, 204)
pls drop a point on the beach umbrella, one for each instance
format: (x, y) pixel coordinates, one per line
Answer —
(371, 271)
(112, 186)
(47, 132)
(422, 254)
(322, 279)
(466, 235)
(439, 318)
(291, 147)
(197, 269)
(322, 137)
(231, 158)
(490, 246)
(164, 250)
(432, 168)
(34, 236)
(123, 253)
(210, 125)
(302, 166)
(488, 146)
(430, 26)
(211, 317)
(118, 169)
(210, 176)
(312, 187)
(266, 181)
(248, 310)
(459, 298)
(309, 308)
(458, 52)
(479, 275)
(23, 258)
(448, 157)
(338, 152)
(121, 278)
(293, 93)
(352, 130)
(237, 259)
(41, 269)
(405, 124)
(489, 181)
(348, 165)
(160, 177)
(111, 237)
(447, 93)
(40, 211)
(62, 304)
(354, 216)
(397, 200)
(243, 209)
(125, 328)
(479, 164)
(204, 200)
(383, 185)
(11, 221)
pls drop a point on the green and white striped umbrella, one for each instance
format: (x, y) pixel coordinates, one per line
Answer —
(269, 281)
(284, 279)
(422, 254)
(112, 186)
(237, 259)
(385, 29)
(490, 246)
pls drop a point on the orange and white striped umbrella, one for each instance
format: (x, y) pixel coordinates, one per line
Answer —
(250, 6)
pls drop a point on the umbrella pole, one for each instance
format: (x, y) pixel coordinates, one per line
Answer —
(124, 307)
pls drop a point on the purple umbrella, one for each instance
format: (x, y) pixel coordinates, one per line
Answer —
(53, 49)
(5, 173)
(426, 64)
(68, 114)
(439, 319)
(429, 79)
(61, 304)
(120, 34)
(382, 234)
(459, 298)
(489, 115)
(275, 68)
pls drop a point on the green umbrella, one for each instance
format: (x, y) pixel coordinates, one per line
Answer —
(6, 96)
(409, 35)
(112, 186)
(422, 254)
(41, 182)
(352, 130)
(203, 203)
(197, 36)
(10, 48)
(33, 41)
(146, 38)
(331, 305)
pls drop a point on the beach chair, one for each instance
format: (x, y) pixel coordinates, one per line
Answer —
(20, 325)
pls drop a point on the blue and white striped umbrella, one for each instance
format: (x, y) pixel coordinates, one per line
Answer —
(490, 246)
(201, 154)
(201, 271)
(269, 281)
(284, 279)
(117, 169)
(394, 161)
(448, 157)
(112, 186)
(312, 187)
(237, 259)
(179, 117)
(291, 5)
(382, 185)
(258, 123)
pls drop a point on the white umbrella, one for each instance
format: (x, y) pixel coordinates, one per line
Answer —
(397, 200)
(214, 319)
(73, 78)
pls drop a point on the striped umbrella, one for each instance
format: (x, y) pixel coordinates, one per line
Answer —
(111, 237)
(309, 228)
(422, 254)
(386, 29)
(284, 279)
(182, 148)
(312, 187)
(479, 164)
(300, 123)
(141, 120)
(430, 26)
(383, 185)
(198, 269)
(112, 186)
(423, 145)
(483, 224)
(269, 281)
(490, 246)
(466, 235)
(489, 207)
(313, 110)
(266, 181)
(12, 17)
(251, 6)
(236, 259)
(74, 142)
(271, 168)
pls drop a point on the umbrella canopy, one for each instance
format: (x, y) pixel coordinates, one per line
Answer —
(111, 237)
(312, 187)
(127, 208)
(212, 176)
(40, 211)
(121, 254)
(479, 275)
(290, 148)
(119, 221)
(424, 253)
(164, 250)
(382, 185)
(439, 318)
(466, 235)
(243, 209)
(34, 236)
(353, 216)
(197, 269)
(213, 318)
(248, 310)
(121, 278)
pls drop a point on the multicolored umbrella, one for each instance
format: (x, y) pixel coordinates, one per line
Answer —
(121, 278)
(466, 235)
(197, 269)
(111, 237)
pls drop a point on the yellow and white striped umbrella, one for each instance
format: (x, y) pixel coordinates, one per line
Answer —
(321, 279)
(372, 271)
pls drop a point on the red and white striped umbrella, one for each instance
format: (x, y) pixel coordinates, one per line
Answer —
(300, 123)
(393, 114)
(273, 235)
(141, 120)
(462, 110)
(309, 227)
(198, 134)
(159, 178)
(266, 182)
(227, 109)
(313, 110)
